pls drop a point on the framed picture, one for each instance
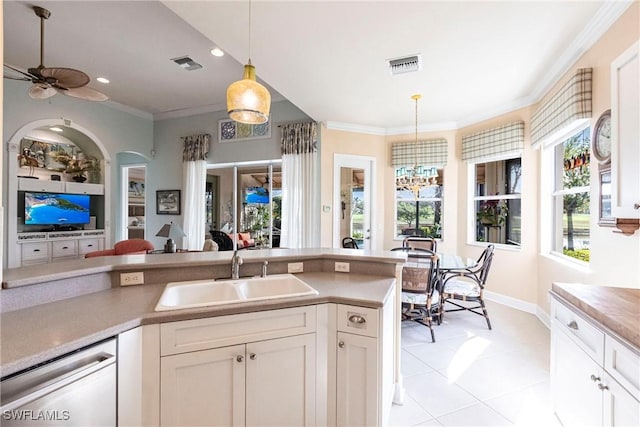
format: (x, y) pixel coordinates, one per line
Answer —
(231, 131)
(168, 202)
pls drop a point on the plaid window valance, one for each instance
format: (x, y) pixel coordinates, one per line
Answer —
(431, 152)
(571, 102)
(500, 141)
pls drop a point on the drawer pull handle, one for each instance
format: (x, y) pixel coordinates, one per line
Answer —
(636, 206)
(603, 387)
(239, 358)
(354, 318)
(89, 246)
(594, 378)
(253, 356)
(65, 247)
(36, 250)
(341, 344)
(572, 325)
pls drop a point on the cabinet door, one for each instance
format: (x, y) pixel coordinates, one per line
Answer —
(625, 134)
(357, 381)
(577, 400)
(281, 377)
(620, 408)
(203, 388)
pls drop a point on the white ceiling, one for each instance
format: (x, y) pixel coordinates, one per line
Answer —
(327, 57)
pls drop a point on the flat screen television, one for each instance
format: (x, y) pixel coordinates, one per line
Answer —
(256, 195)
(56, 209)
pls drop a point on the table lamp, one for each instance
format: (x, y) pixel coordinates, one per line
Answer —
(171, 231)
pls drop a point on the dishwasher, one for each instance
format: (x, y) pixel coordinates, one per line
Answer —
(78, 389)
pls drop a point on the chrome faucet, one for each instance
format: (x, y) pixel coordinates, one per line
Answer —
(236, 260)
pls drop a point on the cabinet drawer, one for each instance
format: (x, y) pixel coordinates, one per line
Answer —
(26, 184)
(623, 365)
(202, 334)
(89, 245)
(81, 188)
(64, 248)
(358, 320)
(583, 333)
(35, 251)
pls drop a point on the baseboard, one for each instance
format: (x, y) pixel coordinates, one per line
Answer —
(518, 304)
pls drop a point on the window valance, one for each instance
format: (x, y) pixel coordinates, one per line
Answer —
(196, 147)
(499, 141)
(430, 152)
(571, 102)
(298, 138)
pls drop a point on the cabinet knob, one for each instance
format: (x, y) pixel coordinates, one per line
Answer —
(636, 206)
(239, 358)
(354, 318)
(594, 378)
(603, 387)
(253, 356)
(572, 325)
(341, 344)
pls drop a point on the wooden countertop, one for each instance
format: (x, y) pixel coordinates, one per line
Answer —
(617, 309)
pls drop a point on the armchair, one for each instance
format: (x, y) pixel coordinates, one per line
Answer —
(124, 247)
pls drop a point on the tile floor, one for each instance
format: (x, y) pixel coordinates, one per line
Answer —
(472, 376)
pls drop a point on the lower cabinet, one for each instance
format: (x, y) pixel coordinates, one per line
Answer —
(595, 378)
(262, 383)
(270, 382)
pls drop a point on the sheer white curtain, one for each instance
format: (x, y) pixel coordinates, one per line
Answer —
(194, 176)
(300, 189)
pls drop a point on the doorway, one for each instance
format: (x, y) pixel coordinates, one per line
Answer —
(353, 198)
(133, 224)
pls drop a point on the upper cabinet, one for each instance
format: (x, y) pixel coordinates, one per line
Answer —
(625, 132)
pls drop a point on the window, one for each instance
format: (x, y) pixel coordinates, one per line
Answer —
(570, 196)
(421, 215)
(497, 201)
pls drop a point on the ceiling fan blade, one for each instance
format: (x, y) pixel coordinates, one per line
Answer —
(85, 93)
(67, 78)
(41, 91)
(23, 74)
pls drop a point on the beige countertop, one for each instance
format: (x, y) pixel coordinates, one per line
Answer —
(617, 309)
(36, 334)
(36, 274)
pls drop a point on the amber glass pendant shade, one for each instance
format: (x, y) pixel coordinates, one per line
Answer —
(247, 100)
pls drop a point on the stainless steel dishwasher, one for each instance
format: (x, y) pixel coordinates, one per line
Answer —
(78, 389)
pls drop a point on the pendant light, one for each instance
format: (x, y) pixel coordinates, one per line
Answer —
(247, 100)
(416, 178)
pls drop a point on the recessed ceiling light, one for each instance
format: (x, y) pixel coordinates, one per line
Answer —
(56, 129)
(216, 51)
(103, 80)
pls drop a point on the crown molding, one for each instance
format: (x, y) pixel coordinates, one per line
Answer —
(352, 127)
(428, 127)
(603, 19)
(130, 110)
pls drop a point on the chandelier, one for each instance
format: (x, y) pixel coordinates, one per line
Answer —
(417, 177)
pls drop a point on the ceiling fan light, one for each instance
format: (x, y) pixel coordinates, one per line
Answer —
(247, 100)
(38, 91)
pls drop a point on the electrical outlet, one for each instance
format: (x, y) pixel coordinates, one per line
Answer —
(134, 278)
(342, 267)
(295, 267)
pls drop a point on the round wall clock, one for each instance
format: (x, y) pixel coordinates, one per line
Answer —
(602, 138)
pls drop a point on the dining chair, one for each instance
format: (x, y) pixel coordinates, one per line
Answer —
(349, 243)
(420, 295)
(414, 242)
(467, 285)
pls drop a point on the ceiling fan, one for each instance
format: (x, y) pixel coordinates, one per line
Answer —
(49, 81)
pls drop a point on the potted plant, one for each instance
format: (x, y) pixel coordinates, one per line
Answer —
(492, 212)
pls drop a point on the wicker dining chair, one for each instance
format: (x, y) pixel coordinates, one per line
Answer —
(420, 296)
(413, 242)
(468, 285)
(349, 243)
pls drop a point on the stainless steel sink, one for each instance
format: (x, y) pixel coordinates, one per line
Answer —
(203, 293)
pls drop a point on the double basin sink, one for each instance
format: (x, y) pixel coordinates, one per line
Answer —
(204, 293)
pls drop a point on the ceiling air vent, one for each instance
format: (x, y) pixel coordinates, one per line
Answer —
(407, 64)
(187, 63)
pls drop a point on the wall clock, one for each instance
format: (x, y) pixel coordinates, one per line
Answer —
(602, 138)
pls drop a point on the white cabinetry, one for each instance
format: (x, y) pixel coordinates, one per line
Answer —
(364, 374)
(595, 378)
(245, 369)
(625, 132)
(40, 248)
